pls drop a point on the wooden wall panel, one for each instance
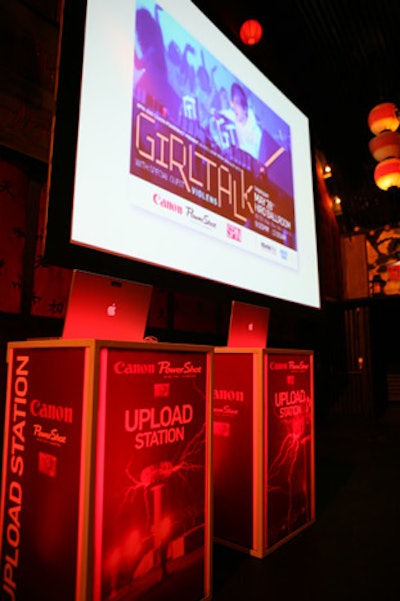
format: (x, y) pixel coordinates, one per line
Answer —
(355, 270)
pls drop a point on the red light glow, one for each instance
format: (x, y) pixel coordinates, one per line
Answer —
(251, 32)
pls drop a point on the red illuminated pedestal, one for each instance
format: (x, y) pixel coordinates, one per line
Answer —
(263, 446)
(106, 472)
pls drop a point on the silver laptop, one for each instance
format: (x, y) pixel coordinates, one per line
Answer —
(106, 308)
(248, 325)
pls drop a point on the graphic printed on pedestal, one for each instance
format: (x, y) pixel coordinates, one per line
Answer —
(151, 477)
(289, 427)
(233, 448)
(42, 472)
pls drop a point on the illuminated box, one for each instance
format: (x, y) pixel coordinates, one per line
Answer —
(264, 489)
(106, 471)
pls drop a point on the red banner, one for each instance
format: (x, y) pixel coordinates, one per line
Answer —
(41, 475)
(233, 444)
(150, 519)
(289, 444)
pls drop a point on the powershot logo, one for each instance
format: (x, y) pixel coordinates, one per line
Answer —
(166, 368)
(202, 218)
(298, 366)
(225, 411)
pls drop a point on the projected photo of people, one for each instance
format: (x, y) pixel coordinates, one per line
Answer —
(181, 90)
(152, 86)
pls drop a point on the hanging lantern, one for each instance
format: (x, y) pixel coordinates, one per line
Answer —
(377, 285)
(387, 174)
(251, 32)
(383, 117)
(385, 145)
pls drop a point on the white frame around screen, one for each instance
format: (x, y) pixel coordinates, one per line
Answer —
(102, 216)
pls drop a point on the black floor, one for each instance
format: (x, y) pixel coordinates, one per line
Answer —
(352, 551)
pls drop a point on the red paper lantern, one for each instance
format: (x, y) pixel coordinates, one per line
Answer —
(385, 145)
(383, 117)
(251, 32)
(387, 174)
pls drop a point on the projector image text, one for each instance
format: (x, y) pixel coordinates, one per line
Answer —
(225, 185)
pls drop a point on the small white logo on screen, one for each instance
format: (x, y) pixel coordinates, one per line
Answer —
(250, 327)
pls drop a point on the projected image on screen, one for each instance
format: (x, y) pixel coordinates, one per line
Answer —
(186, 163)
(203, 137)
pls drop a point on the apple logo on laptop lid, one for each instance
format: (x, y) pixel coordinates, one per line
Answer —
(112, 310)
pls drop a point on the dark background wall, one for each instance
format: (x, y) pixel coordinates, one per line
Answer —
(355, 344)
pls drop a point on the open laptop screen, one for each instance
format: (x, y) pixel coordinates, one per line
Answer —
(248, 325)
(106, 308)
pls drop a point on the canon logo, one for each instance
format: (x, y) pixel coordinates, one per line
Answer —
(278, 366)
(167, 204)
(120, 367)
(57, 413)
(228, 395)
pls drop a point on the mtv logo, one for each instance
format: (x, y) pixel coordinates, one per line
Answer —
(222, 429)
(233, 232)
(47, 464)
(161, 390)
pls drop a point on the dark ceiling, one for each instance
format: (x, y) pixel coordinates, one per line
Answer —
(335, 59)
